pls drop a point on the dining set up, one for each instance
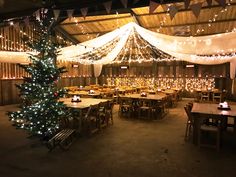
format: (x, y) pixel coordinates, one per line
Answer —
(208, 121)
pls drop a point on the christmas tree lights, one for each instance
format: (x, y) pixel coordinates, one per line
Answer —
(40, 110)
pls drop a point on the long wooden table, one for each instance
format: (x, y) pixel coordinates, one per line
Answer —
(85, 102)
(85, 94)
(202, 110)
(81, 107)
(157, 97)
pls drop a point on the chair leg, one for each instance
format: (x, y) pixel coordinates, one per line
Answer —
(218, 141)
(186, 132)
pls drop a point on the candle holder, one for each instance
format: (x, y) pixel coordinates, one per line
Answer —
(224, 106)
(143, 94)
(76, 98)
(91, 92)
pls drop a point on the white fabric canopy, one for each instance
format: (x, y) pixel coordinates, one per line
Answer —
(14, 57)
(207, 50)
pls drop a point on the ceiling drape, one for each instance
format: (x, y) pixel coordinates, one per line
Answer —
(207, 50)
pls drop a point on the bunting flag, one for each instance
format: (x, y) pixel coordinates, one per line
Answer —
(26, 21)
(173, 10)
(37, 15)
(209, 2)
(124, 2)
(152, 6)
(196, 8)
(186, 3)
(1, 3)
(70, 13)
(84, 11)
(107, 6)
(164, 7)
(221, 2)
(45, 11)
(16, 25)
(56, 14)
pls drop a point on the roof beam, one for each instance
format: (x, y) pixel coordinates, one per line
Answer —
(67, 35)
(97, 20)
(92, 33)
(191, 24)
(135, 18)
(183, 10)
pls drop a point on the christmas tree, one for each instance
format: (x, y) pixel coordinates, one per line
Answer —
(41, 111)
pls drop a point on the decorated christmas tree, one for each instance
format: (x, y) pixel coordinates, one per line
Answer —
(41, 111)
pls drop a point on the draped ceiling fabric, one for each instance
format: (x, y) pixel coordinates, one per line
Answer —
(207, 50)
(14, 57)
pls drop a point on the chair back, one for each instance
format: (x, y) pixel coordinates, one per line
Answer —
(125, 101)
(187, 109)
(92, 111)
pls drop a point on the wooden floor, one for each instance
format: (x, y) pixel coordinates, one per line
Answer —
(129, 148)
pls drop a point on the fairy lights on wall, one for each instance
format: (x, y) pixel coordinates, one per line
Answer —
(189, 84)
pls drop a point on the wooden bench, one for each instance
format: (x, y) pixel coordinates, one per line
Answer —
(64, 139)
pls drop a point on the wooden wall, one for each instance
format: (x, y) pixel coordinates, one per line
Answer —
(174, 69)
(9, 94)
(167, 69)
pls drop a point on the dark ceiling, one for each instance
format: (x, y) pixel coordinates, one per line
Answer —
(18, 8)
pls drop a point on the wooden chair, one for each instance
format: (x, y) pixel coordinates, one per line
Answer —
(204, 128)
(109, 113)
(158, 109)
(126, 107)
(102, 115)
(205, 96)
(174, 99)
(92, 119)
(189, 123)
(217, 97)
(145, 108)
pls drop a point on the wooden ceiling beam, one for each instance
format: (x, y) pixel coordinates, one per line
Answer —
(66, 34)
(191, 24)
(97, 20)
(135, 18)
(183, 10)
(92, 33)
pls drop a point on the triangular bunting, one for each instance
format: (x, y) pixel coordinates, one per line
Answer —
(84, 11)
(221, 2)
(152, 6)
(107, 6)
(70, 13)
(45, 11)
(124, 2)
(164, 7)
(209, 2)
(56, 14)
(196, 8)
(37, 15)
(26, 21)
(17, 25)
(173, 10)
(186, 3)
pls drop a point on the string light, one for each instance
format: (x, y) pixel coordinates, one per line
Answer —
(189, 84)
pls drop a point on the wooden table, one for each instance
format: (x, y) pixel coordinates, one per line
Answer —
(157, 97)
(201, 110)
(85, 102)
(169, 92)
(85, 94)
(81, 107)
